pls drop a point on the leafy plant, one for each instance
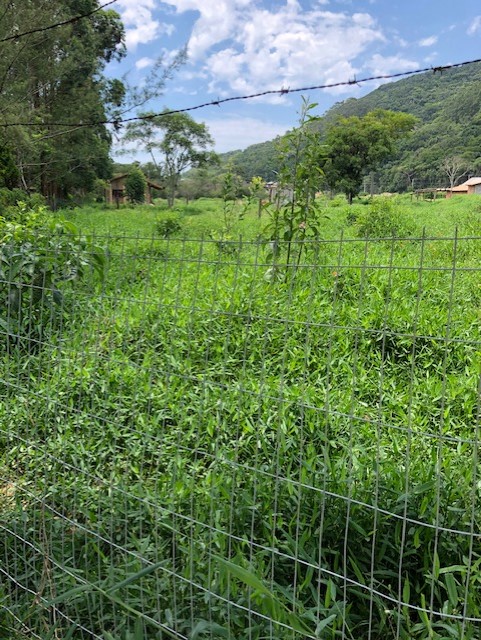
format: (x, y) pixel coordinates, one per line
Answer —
(382, 219)
(234, 209)
(135, 186)
(38, 257)
(201, 454)
(295, 215)
(167, 224)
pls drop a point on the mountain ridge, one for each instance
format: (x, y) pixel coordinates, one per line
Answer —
(448, 106)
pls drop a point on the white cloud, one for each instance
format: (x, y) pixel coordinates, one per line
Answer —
(232, 133)
(142, 63)
(244, 47)
(428, 42)
(385, 65)
(475, 26)
(140, 26)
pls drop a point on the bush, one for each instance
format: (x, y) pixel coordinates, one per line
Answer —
(338, 201)
(39, 255)
(135, 185)
(10, 198)
(168, 224)
(382, 219)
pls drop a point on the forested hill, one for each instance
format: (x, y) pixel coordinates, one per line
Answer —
(448, 106)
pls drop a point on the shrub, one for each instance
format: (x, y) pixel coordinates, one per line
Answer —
(135, 185)
(10, 198)
(382, 219)
(338, 201)
(168, 224)
(39, 255)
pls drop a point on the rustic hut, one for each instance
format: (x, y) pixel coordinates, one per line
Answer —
(471, 186)
(115, 192)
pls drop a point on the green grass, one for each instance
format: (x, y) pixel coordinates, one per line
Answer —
(200, 217)
(201, 450)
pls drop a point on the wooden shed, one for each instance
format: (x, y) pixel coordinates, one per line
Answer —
(471, 186)
(115, 192)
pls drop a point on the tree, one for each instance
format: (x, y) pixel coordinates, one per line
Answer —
(56, 76)
(183, 143)
(135, 186)
(8, 170)
(454, 167)
(357, 145)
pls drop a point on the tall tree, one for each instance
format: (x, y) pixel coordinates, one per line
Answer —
(175, 142)
(356, 145)
(56, 76)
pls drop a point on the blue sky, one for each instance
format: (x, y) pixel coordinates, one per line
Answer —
(246, 46)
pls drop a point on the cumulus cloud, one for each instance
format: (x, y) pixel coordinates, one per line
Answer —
(245, 47)
(428, 42)
(475, 26)
(140, 25)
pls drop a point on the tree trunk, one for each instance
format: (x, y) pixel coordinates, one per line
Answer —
(171, 189)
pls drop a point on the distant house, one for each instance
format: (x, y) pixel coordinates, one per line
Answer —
(471, 186)
(115, 192)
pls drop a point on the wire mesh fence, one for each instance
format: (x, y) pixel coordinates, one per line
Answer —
(204, 444)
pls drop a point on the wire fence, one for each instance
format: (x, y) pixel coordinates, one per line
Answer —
(207, 445)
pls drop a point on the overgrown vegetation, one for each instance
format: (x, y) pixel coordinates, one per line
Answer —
(65, 85)
(135, 186)
(198, 451)
(232, 419)
(39, 258)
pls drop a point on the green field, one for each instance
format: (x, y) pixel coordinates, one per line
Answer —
(192, 450)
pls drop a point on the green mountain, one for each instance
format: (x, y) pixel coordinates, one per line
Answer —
(448, 106)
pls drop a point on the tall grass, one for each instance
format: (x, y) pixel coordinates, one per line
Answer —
(199, 452)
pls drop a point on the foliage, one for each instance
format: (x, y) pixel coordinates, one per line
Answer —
(235, 205)
(231, 191)
(198, 183)
(382, 219)
(184, 143)
(355, 146)
(39, 255)
(167, 224)
(135, 186)
(64, 84)
(294, 215)
(257, 160)
(202, 454)
(10, 197)
(8, 170)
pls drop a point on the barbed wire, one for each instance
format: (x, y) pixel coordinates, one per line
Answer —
(118, 122)
(17, 36)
